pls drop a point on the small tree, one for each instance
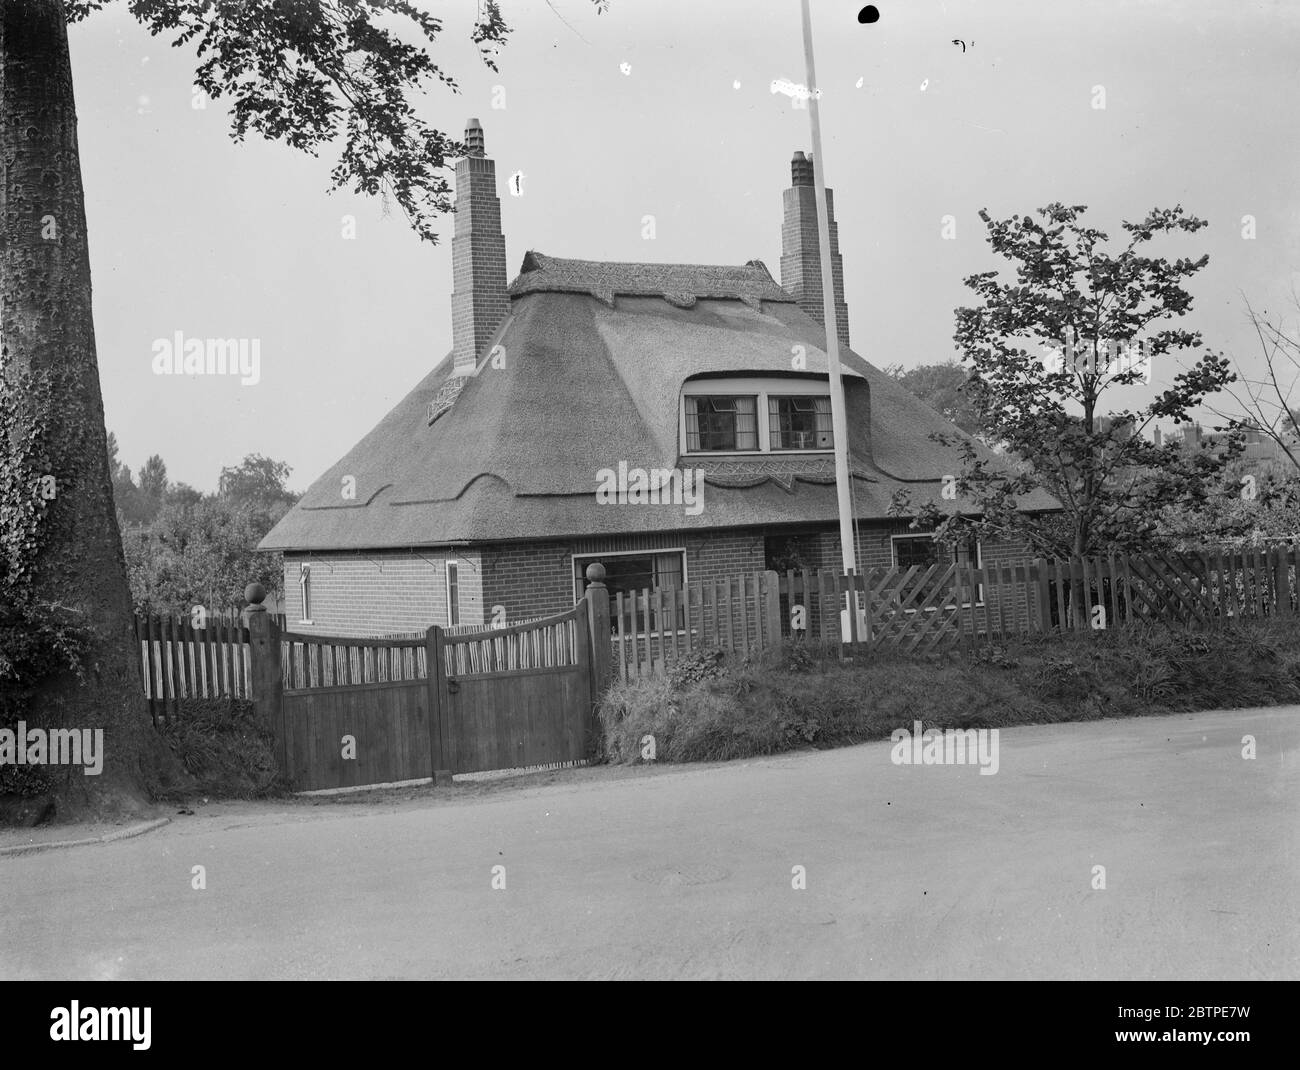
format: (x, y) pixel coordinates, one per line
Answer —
(1041, 351)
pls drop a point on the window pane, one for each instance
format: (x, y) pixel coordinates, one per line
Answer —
(800, 423)
(692, 425)
(721, 423)
(453, 593)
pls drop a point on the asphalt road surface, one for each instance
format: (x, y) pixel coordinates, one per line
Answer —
(911, 872)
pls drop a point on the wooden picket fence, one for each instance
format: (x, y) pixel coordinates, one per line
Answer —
(917, 610)
(924, 610)
(179, 661)
(1201, 588)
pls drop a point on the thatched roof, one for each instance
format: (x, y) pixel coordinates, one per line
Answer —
(595, 357)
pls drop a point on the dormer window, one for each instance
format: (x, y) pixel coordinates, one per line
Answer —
(800, 423)
(723, 415)
(727, 424)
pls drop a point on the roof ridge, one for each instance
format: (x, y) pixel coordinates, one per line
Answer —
(681, 284)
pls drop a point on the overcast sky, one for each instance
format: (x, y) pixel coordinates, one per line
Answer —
(190, 232)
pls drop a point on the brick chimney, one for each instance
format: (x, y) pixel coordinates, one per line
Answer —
(478, 256)
(801, 267)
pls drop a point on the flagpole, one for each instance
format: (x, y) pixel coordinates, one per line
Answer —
(839, 419)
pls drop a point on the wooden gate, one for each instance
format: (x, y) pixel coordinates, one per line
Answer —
(354, 711)
(348, 712)
(516, 696)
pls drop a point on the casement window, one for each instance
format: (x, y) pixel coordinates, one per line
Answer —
(721, 424)
(799, 423)
(304, 584)
(632, 574)
(756, 414)
(453, 593)
(922, 551)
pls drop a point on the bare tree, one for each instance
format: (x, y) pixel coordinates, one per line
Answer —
(1264, 402)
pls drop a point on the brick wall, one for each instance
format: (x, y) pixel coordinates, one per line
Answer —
(379, 593)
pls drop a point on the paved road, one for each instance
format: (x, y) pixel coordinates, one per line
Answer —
(912, 872)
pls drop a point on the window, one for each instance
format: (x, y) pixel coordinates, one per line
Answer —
(800, 423)
(726, 424)
(304, 582)
(922, 551)
(756, 414)
(453, 593)
(632, 574)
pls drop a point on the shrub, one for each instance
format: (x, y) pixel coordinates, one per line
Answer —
(795, 695)
(696, 666)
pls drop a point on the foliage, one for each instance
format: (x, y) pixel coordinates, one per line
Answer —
(1040, 679)
(313, 73)
(699, 665)
(1069, 291)
(202, 549)
(1230, 518)
(38, 641)
(943, 388)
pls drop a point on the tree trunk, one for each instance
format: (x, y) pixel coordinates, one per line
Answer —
(46, 329)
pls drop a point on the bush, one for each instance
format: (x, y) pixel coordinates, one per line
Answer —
(794, 695)
(697, 666)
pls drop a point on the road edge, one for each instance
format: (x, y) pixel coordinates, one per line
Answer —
(109, 837)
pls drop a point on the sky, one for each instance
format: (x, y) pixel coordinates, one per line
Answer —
(665, 108)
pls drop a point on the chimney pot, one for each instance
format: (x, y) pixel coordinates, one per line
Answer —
(801, 173)
(474, 138)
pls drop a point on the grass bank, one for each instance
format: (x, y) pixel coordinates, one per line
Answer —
(221, 744)
(793, 696)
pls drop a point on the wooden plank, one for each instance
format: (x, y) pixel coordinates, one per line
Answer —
(1004, 587)
(687, 607)
(790, 603)
(622, 637)
(987, 590)
(744, 613)
(672, 610)
(731, 635)
(932, 588)
(1043, 593)
(1061, 614)
(1166, 602)
(635, 630)
(170, 659)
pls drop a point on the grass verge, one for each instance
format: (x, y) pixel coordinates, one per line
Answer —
(795, 696)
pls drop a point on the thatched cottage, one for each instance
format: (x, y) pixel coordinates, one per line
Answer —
(669, 420)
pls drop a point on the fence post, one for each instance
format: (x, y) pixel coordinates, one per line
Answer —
(439, 719)
(602, 659)
(264, 670)
(1044, 595)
